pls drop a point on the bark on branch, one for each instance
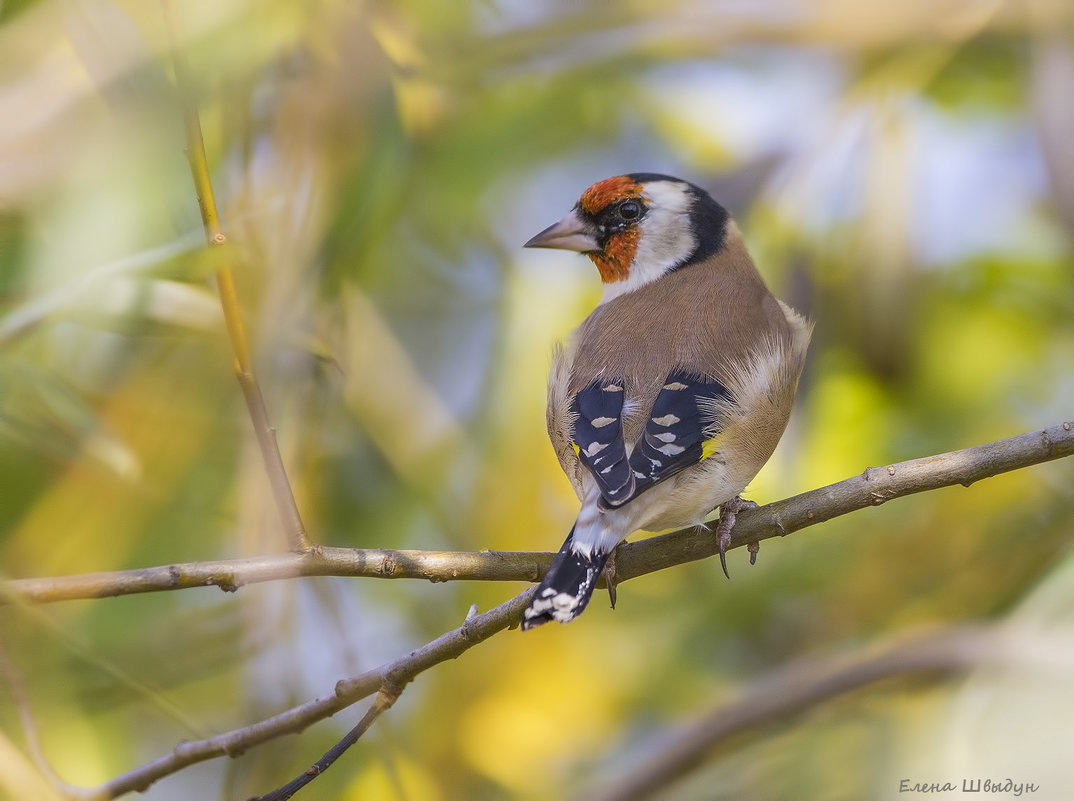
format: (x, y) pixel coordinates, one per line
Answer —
(871, 488)
(392, 677)
(874, 486)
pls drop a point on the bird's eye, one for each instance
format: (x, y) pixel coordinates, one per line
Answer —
(630, 209)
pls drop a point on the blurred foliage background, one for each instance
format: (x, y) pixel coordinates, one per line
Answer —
(903, 172)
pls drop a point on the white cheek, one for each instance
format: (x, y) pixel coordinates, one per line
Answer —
(666, 239)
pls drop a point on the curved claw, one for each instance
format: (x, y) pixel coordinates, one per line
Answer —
(728, 512)
(610, 577)
(723, 552)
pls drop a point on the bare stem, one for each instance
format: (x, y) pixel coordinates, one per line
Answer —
(229, 301)
(383, 702)
(873, 487)
(396, 674)
(230, 574)
(30, 731)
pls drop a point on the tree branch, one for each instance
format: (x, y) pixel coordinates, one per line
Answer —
(805, 683)
(380, 705)
(230, 574)
(873, 487)
(229, 302)
(392, 677)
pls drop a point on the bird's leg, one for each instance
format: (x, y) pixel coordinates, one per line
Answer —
(609, 575)
(728, 512)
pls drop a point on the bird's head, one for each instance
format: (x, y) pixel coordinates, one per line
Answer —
(638, 227)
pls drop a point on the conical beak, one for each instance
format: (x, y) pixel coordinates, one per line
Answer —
(570, 233)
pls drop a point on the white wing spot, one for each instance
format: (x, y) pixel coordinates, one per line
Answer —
(600, 422)
(666, 420)
(595, 448)
(666, 436)
(612, 388)
(671, 450)
(675, 385)
(639, 475)
(607, 469)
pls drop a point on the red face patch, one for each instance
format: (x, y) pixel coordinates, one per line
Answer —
(614, 261)
(597, 197)
(619, 249)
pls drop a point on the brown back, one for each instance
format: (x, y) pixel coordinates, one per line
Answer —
(700, 318)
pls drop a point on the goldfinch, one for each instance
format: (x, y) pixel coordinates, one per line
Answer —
(675, 390)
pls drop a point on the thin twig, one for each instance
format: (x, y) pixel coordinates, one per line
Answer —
(21, 700)
(805, 683)
(873, 487)
(231, 574)
(47, 625)
(383, 702)
(26, 317)
(229, 301)
(397, 673)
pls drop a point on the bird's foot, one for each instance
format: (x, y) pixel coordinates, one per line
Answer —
(754, 548)
(728, 512)
(610, 577)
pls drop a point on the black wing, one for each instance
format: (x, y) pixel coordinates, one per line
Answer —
(598, 437)
(674, 436)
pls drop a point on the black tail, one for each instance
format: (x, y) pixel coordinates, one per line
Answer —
(566, 588)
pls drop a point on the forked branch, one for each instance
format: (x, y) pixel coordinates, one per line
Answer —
(873, 487)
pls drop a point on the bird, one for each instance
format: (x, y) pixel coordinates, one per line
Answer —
(673, 393)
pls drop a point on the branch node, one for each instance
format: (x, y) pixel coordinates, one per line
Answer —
(891, 470)
(232, 751)
(777, 521)
(964, 466)
(1046, 442)
(391, 689)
